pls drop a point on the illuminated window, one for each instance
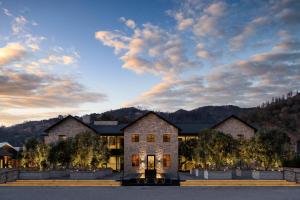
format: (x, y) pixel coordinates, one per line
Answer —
(135, 160)
(62, 137)
(135, 138)
(150, 138)
(112, 141)
(166, 137)
(167, 161)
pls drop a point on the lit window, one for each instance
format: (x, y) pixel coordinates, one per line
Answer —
(112, 140)
(135, 138)
(135, 160)
(62, 137)
(150, 138)
(167, 161)
(166, 138)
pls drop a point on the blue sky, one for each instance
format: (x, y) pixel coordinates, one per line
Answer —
(77, 57)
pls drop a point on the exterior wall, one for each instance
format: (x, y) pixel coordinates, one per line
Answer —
(70, 128)
(235, 128)
(150, 124)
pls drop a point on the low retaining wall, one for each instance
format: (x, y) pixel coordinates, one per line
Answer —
(267, 175)
(89, 175)
(291, 174)
(242, 174)
(198, 173)
(8, 175)
(33, 175)
(218, 175)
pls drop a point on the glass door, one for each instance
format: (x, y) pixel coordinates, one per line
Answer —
(151, 162)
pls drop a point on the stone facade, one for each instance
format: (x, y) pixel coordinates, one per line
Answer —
(235, 127)
(70, 127)
(150, 124)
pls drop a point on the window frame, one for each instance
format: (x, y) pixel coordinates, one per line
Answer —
(150, 138)
(135, 160)
(135, 138)
(168, 137)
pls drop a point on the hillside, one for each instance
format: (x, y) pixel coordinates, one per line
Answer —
(17, 134)
(281, 113)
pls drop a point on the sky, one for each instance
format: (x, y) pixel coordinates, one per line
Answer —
(78, 57)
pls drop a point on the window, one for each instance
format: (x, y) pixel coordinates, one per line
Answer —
(135, 138)
(135, 160)
(166, 138)
(240, 136)
(62, 137)
(167, 161)
(150, 138)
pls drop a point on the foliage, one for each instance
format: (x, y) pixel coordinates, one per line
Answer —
(90, 151)
(35, 154)
(187, 151)
(266, 150)
(215, 150)
(61, 153)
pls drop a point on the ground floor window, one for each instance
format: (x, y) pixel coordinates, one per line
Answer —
(135, 160)
(167, 161)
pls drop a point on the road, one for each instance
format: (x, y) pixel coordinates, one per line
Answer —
(149, 193)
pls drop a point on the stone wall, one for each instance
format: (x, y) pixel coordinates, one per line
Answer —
(8, 175)
(150, 124)
(69, 127)
(235, 127)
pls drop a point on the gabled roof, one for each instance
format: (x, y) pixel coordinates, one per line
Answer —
(237, 118)
(148, 113)
(2, 144)
(69, 117)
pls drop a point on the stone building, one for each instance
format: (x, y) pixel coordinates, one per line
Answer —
(150, 143)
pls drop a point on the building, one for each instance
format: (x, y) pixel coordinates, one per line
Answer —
(148, 143)
(8, 155)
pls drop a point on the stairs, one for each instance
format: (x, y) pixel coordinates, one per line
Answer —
(82, 183)
(266, 183)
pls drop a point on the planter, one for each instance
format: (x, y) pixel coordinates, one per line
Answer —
(267, 175)
(242, 174)
(8, 175)
(34, 175)
(218, 175)
(82, 175)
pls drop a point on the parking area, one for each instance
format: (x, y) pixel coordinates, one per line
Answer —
(149, 193)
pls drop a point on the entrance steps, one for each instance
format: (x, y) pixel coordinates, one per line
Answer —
(112, 183)
(217, 183)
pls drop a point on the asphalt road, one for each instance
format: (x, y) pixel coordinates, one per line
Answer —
(149, 193)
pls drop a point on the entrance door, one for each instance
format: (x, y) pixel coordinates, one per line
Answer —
(151, 162)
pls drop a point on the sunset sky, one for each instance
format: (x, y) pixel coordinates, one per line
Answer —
(78, 57)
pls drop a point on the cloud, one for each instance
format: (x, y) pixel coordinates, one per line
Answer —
(18, 24)
(7, 12)
(207, 23)
(11, 52)
(148, 50)
(128, 22)
(237, 41)
(244, 83)
(183, 23)
(287, 11)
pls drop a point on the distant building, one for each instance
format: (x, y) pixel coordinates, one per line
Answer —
(8, 155)
(148, 143)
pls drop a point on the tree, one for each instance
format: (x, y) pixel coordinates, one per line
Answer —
(35, 154)
(187, 152)
(89, 151)
(61, 153)
(216, 150)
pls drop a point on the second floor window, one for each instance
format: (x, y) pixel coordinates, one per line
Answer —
(62, 137)
(150, 138)
(166, 138)
(135, 138)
